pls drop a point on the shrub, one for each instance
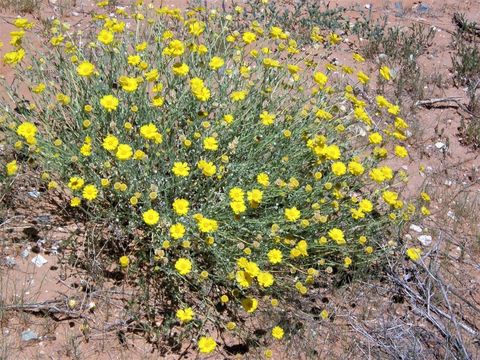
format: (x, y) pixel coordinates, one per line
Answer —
(231, 173)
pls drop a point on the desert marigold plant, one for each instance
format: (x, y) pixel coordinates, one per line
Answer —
(238, 169)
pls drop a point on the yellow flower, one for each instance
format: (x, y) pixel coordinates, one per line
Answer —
(90, 192)
(265, 279)
(358, 57)
(347, 262)
(196, 28)
(277, 33)
(185, 315)
(85, 68)
(385, 72)
(324, 314)
(76, 183)
(183, 266)
(109, 102)
(332, 152)
(425, 211)
(249, 37)
(63, 99)
(124, 261)
(151, 217)
(355, 168)
(292, 214)
(255, 197)
(267, 118)
(181, 169)
(238, 95)
(390, 197)
(243, 279)
(128, 84)
(362, 77)
(377, 175)
(12, 168)
(207, 167)
(124, 152)
(199, 90)
(216, 63)
(365, 205)
(210, 143)
(207, 225)
(263, 179)
(180, 69)
(27, 130)
(105, 37)
(277, 332)
(139, 155)
(181, 206)
(148, 131)
(23, 23)
(236, 194)
(152, 75)
(75, 201)
(238, 207)
(174, 48)
(134, 60)
(337, 235)
(228, 118)
(38, 89)
(271, 63)
(110, 143)
(334, 38)
(324, 115)
(400, 151)
(339, 168)
(249, 304)
(414, 253)
(425, 196)
(177, 231)
(206, 344)
(275, 256)
(14, 57)
(320, 78)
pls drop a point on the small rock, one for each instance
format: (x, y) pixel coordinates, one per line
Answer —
(10, 262)
(39, 260)
(29, 335)
(422, 8)
(383, 57)
(426, 240)
(74, 13)
(408, 237)
(44, 219)
(416, 228)
(25, 253)
(34, 194)
(439, 145)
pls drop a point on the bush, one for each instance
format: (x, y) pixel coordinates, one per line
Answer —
(231, 173)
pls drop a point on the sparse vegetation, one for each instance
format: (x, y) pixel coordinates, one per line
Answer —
(466, 67)
(21, 6)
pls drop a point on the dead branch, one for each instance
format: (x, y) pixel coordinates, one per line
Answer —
(430, 102)
(53, 308)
